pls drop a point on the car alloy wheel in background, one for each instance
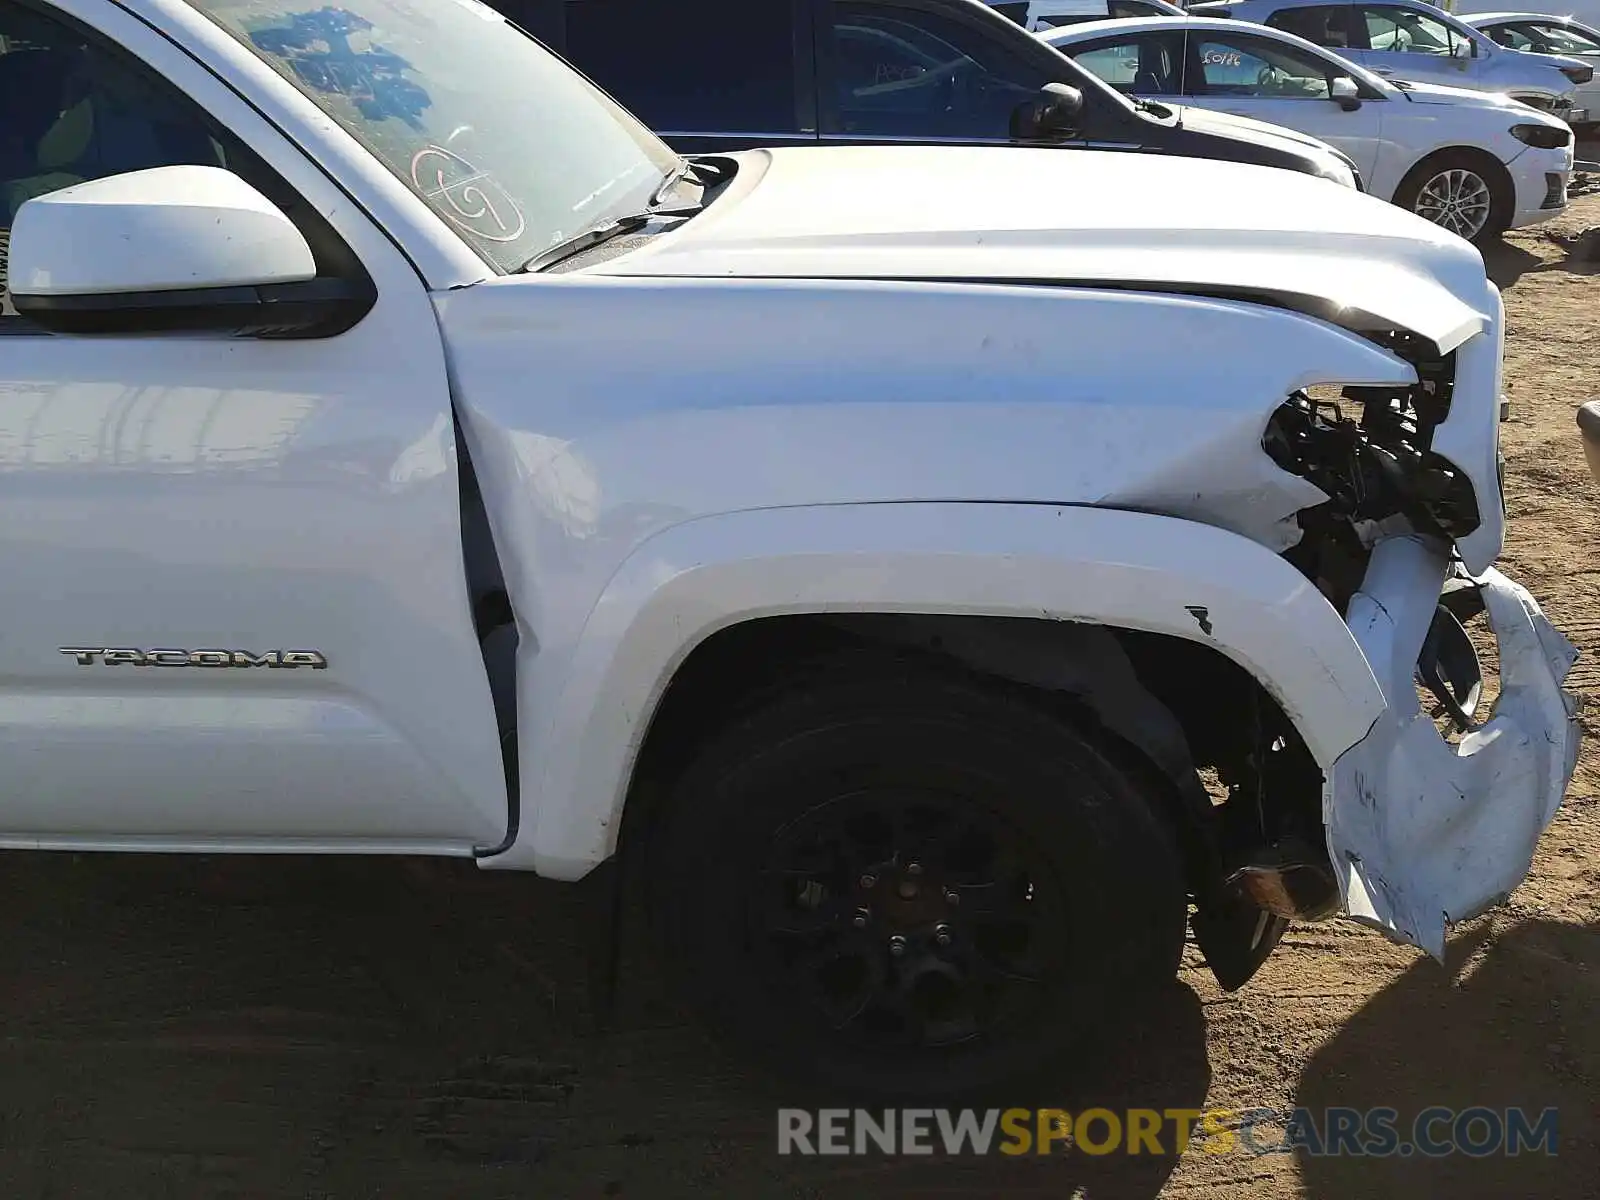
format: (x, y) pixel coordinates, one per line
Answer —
(1459, 199)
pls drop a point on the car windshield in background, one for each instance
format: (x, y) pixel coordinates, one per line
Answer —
(1263, 71)
(1546, 39)
(512, 147)
(1567, 41)
(1403, 30)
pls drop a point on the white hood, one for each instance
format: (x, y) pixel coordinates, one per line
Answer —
(1436, 93)
(1006, 214)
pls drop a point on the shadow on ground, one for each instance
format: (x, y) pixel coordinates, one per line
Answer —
(1506, 262)
(1519, 1029)
(352, 1028)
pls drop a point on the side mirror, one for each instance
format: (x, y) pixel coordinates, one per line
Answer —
(1467, 48)
(1345, 93)
(1053, 117)
(173, 248)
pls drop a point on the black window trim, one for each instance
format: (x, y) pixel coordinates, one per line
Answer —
(807, 102)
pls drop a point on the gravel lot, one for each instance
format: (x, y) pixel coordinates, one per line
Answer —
(264, 1028)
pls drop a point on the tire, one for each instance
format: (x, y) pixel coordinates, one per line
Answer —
(1062, 874)
(1458, 177)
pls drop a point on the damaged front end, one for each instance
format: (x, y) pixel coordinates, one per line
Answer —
(1434, 816)
(1426, 830)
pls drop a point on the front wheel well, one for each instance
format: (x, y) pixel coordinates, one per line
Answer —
(1494, 172)
(1224, 761)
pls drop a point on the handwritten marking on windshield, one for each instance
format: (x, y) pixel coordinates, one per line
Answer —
(461, 193)
(894, 72)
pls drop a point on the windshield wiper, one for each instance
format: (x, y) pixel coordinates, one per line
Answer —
(684, 170)
(587, 239)
(696, 171)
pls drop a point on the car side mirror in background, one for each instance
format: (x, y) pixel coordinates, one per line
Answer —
(1052, 117)
(1345, 93)
(185, 248)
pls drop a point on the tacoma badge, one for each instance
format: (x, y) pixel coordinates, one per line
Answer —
(114, 656)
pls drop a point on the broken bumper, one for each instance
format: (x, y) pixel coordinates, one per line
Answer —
(1424, 831)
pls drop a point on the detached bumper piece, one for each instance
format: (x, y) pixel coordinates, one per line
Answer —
(1423, 831)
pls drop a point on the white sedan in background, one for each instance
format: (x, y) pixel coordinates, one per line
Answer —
(1477, 163)
(1536, 33)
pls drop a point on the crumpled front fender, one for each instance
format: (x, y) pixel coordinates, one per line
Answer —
(1424, 832)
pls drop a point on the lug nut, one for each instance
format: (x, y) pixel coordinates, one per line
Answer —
(897, 946)
(952, 897)
(862, 917)
(869, 881)
(913, 868)
(941, 935)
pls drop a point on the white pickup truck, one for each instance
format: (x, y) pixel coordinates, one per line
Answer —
(402, 451)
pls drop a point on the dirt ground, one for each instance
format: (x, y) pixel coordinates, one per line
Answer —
(267, 1028)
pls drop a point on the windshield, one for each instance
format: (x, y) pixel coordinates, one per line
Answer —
(511, 146)
(1549, 39)
(1406, 31)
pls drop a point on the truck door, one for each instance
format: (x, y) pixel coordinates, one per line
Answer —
(235, 611)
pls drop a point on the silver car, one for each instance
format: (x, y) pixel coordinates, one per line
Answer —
(1414, 41)
(1538, 33)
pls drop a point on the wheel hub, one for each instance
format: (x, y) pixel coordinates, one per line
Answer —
(1457, 199)
(912, 921)
(904, 899)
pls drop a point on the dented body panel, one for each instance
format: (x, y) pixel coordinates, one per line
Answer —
(966, 396)
(975, 446)
(583, 726)
(919, 381)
